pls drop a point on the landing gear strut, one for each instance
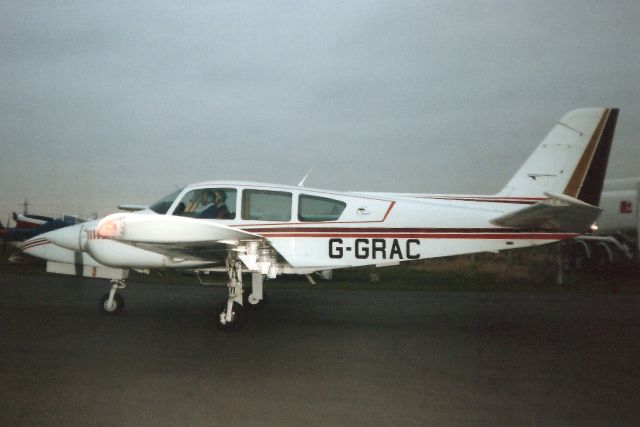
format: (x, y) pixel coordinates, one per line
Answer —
(256, 300)
(112, 302)
(231, 313)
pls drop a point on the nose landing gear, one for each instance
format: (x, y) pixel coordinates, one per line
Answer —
(112, 302)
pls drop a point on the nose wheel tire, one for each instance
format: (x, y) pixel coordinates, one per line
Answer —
(114, 307)
(237, 317)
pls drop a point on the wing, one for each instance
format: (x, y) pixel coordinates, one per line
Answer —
(175, 236)
(559, 212)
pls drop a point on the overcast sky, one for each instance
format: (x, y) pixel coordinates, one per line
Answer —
(104, 102)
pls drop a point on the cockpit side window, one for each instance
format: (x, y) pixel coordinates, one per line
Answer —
(210, 203)
(316, 209)
(260, 205)
(163, 205)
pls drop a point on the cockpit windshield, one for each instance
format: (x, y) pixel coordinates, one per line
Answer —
(212, 203)
(163, 205)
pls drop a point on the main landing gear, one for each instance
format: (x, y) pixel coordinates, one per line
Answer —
(112, 302)
(231, 313)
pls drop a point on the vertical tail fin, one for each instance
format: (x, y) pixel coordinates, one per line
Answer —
(572, 159)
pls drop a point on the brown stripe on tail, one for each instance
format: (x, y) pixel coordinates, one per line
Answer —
(593, 182)
(588, 178)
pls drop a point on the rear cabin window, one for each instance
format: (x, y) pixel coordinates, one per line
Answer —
(209, 203)
(313, 208)
(259, 205)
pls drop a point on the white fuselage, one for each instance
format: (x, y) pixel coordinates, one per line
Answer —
(371, 229)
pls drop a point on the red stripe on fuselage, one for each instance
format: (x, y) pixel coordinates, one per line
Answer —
(279, 229)
(508, 200)
(388, 211)
(474, 236)
(408, 233)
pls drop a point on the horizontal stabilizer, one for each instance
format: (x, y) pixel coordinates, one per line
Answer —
(558, 212)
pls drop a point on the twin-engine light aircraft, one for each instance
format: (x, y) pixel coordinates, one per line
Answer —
(269, 230)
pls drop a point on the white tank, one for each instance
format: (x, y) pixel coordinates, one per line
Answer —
(619, 211)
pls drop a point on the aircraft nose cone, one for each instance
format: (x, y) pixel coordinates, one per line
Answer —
(67, 237)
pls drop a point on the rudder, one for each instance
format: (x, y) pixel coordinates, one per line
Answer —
(572, 159)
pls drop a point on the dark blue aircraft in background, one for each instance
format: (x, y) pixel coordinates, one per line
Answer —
(28, 226)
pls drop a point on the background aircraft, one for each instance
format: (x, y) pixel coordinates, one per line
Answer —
(269, 229)
(28, 226)
(616, 241)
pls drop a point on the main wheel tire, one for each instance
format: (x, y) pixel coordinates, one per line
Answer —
(237, 317)
(116, 307)
(257, 306)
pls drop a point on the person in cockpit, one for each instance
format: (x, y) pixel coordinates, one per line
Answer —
(219, 209)
(205, 201)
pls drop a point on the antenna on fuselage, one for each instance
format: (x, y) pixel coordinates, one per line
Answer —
(301, 183)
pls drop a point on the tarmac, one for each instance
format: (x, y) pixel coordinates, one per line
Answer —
(314, 357)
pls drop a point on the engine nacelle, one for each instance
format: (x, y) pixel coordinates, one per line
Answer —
(73, 237)
(121, 255)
